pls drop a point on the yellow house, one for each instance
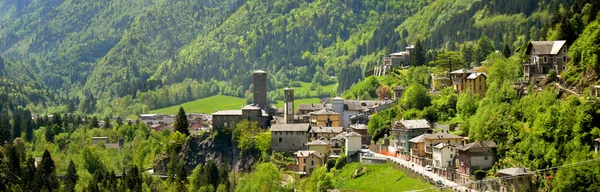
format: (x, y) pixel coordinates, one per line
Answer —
(324, 118)
(320, 146)
(466, 79)
(308, 161)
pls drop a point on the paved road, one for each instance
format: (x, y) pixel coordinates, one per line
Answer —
(421, 170)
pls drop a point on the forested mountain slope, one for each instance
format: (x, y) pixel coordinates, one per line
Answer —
(112, 49)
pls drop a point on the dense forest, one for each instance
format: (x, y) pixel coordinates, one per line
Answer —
(108, 54)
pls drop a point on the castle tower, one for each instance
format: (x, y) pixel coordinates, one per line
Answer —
(259, 79)
(288, 100)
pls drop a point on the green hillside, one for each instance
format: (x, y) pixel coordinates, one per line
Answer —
(382, 177)
(206, 105)
(110, 50)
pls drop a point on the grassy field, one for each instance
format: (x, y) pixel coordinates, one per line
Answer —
(206, 105)
(220, 102)
(382, 177)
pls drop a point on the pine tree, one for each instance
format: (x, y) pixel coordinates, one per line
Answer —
(14, 165)
(16, 128)
(71, 177)
(418, 57)
(27, 123)
(30, 172)
(119, 120)
(506, 52)
(181, 122)
(5, 124)
(107, 122)
(94, 123)
(46, 173)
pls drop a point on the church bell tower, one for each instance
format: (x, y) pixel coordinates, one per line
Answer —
(288, 100)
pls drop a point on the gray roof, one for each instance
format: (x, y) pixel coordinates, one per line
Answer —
(339, 136)
(415, 124)
(359, 126)
(418, 139)
(515, 171)
(462, 71)
(250, 107)
(545, 47)
(327, 129)
(359, 105)
(228, 112)
(324, 112)
(442, 135)
(479, 144)
(475, 75)
(398, 87)
(313, 106)
(442, 145)
(290, 127)
(318, 142)
(308, 153)
(353, 134)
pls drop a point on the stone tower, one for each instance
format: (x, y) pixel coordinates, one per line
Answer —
(288, 100)
(259, 79)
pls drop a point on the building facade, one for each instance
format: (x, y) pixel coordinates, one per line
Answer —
(475, 156)
(469, 80)
(545, 56)
(289, 137)
(308, 161)
(324, 133)
(404, 130)
(324, 118)
(228, 118)
(288, 99)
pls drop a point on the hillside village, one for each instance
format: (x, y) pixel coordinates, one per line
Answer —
(337, 128)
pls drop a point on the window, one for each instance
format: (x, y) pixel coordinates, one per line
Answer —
(479, 86)
(564, 59)
(485, 158)
(280, 139)
(305, 161)
(451, 156)
(545, 59)
(312, 162)
(554, 60)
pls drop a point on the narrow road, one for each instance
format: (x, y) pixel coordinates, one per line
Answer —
(419, 169)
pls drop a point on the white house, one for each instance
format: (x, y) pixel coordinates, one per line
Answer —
(443, 156)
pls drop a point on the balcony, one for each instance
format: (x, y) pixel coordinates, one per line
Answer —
(428, 149)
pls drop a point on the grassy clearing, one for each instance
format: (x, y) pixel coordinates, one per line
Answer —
(206, 105)
(220, 102)
(382, 177)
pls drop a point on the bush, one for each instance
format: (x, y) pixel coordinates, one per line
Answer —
(340, 162)
(479, 174)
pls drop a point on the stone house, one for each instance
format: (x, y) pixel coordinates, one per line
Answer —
(227, 118)
(469, 80)
(515, 179)
(545, 56)
(324, 133)
(289, 137)
(305, 109)
(308, 161)
(403, 131)
(475, 156)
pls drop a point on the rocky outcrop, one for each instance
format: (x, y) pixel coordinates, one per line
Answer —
(202, 148)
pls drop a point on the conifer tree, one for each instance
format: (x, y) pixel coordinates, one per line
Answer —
(14, 165)
(506, 52)
(29, 172)
(418, 57)
(27, 124)
(181, 122)
(5, 124)
(94, 123)
(71, 177)
(107, 122)
(46, 173)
